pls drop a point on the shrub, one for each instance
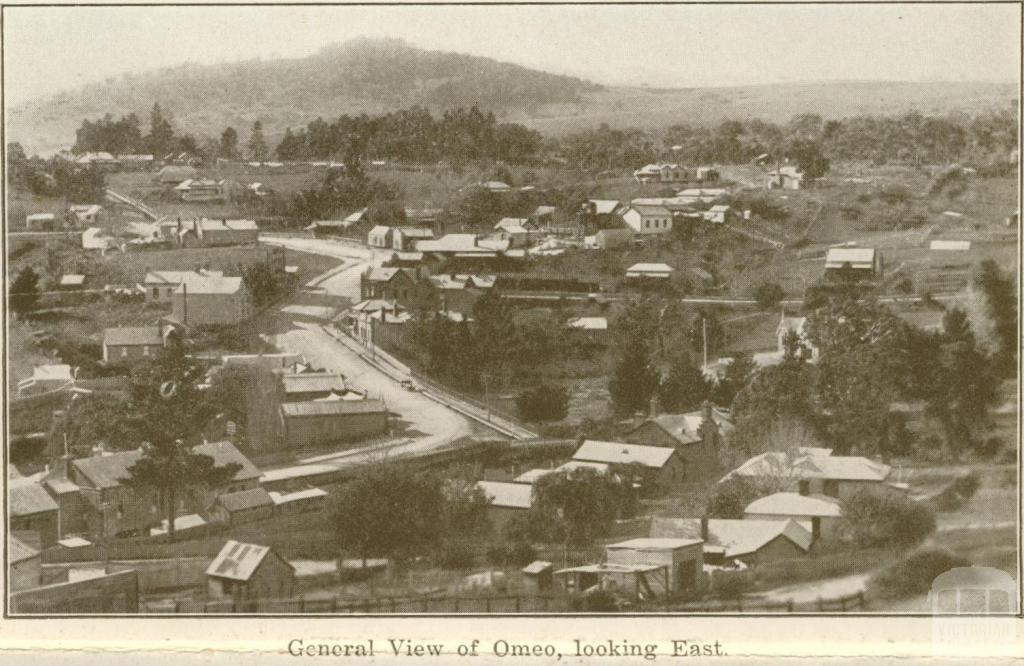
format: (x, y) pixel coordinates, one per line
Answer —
(598, 601)
(989, 447)
(894, 194)
(965, 486)
(730, 498)
(913, 575)
(948, 500)
(769, 295)
(543, 403)
(517, 554)
(456, 556)
(731, 586)
(878, 521)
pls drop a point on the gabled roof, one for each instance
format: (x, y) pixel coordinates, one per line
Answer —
(356, 216)
(332, 408)
(649, 268)
(507, 495)
(382, 274)
(202, 284)
(514, 225)
(379, 230)
(245, 499)
(837, 256)
(738, 537)
(19, 549)
(307, 493)
(720, 208)
(685, 428)
(545, 210)
(648, 543)
(532, 475)
(604, 206)
(134, 336)
(176, 277)
(312, 382)
(238, 561)
(649, 209)
(415, 232)
(450, 243)
(26, 499)
(108, 471)
(794, 504)
(588, 323)
(623, 454)
(813, 463)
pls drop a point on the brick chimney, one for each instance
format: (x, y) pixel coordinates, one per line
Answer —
(704, 528)
(708, 427)
(815, 528)
(654, 408)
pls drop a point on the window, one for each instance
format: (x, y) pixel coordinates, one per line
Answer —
(145, 350)
(124, 352)
(156, 292)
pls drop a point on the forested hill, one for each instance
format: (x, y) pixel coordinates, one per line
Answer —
(378, 76)
(370, 76)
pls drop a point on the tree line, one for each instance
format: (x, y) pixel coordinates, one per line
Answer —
(462, 134)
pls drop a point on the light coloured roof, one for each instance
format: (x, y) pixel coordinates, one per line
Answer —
(608, 568)
(19, 549)
(312, 381)
(332, 408)
(950, 245)
(649, 268)
(29, 498)
(813, 463)
(589, 323)
(415, 232)
(737, 536)
(720, 208)
(57, 372)
(356, 216)
(837, 256)
(71, 280)
(650, 209)
(536, 567)
(623, 454)
(513, 225)
(85, 209)
(238, 561)
(605, 206)
(242, 500)
(129, 336)
(176, 277)
(307, 493)
(181, 523)
(61, 486)
(571, 465)
(209, 284)
(40, 217)
(545, 210)
(532, 475)
(381, 273)
(74, 542)
(379, 230)
(650, 543)
(794, 504)
(507, 495)
(450, 243)
(409, 256)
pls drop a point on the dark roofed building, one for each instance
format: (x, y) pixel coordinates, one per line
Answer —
(31, 509)
(131, 344)
(321, 422)
(244, 506)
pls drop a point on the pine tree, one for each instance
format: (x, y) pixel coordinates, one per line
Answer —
(258, 150)
(634, 379)
(24, 291)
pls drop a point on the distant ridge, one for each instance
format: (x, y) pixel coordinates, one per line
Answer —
(379, 75)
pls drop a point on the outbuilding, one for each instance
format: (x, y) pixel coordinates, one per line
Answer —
(245, 572)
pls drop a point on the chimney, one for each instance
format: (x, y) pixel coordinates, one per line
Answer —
(708, 427)
(704, 528)
(804, 487)
(815, 528)
(384, 314)
(654, 407)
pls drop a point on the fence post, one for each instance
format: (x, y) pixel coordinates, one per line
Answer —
(860, 600)
(517, 603)
(393, 604)
(487, 604)
(789, 605)
(425, 604)
(456, 605)
(739, 605)
(821, 604)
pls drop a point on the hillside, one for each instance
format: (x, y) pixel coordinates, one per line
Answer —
(373, 76)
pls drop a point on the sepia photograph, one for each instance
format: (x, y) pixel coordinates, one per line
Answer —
(524, 310)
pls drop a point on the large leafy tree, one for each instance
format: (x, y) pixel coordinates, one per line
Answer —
(167, 413)
(683, 387)
(578, 506)
(1001, 295)
(24, 291)
(228, 147)
(390, 511)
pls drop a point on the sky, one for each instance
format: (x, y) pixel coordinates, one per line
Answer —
(49, 49)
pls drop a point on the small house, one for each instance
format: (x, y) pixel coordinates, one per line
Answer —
(172, 175)
(543, 215)
(697, 437)
(131, 344)
(404, 239)
(380, 236)
(202, 189)
(311, 386)
(506, 501)
(497, 186)
(86, 213)
(161, 285)
(648, 219)
(518, 231)
(41, 222)
(728, 540)
(538, 577)
(657, 467)
(46, 378)
(31, 509)
(211, 301)
(24, 562)
(860, 263)
(244, 506)
(820, 513)
(649, 271)
(244, 572)
(717, 214)
(706, 174)
(644, 568)
(72, 281)
(588, 330)
(299, 501)
(788, 177)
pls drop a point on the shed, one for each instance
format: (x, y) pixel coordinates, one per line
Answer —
(648, 270)
(248, 572)
(244, 506)
(41, 222)
(683, 559)
(321, 422)
(538, 576)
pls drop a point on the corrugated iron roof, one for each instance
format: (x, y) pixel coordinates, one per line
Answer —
(140, 335)
(623, 454)
(508, 495)
(238, 561)
(245, 499)
(794, 504)
(332, 408)
(25, 499)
